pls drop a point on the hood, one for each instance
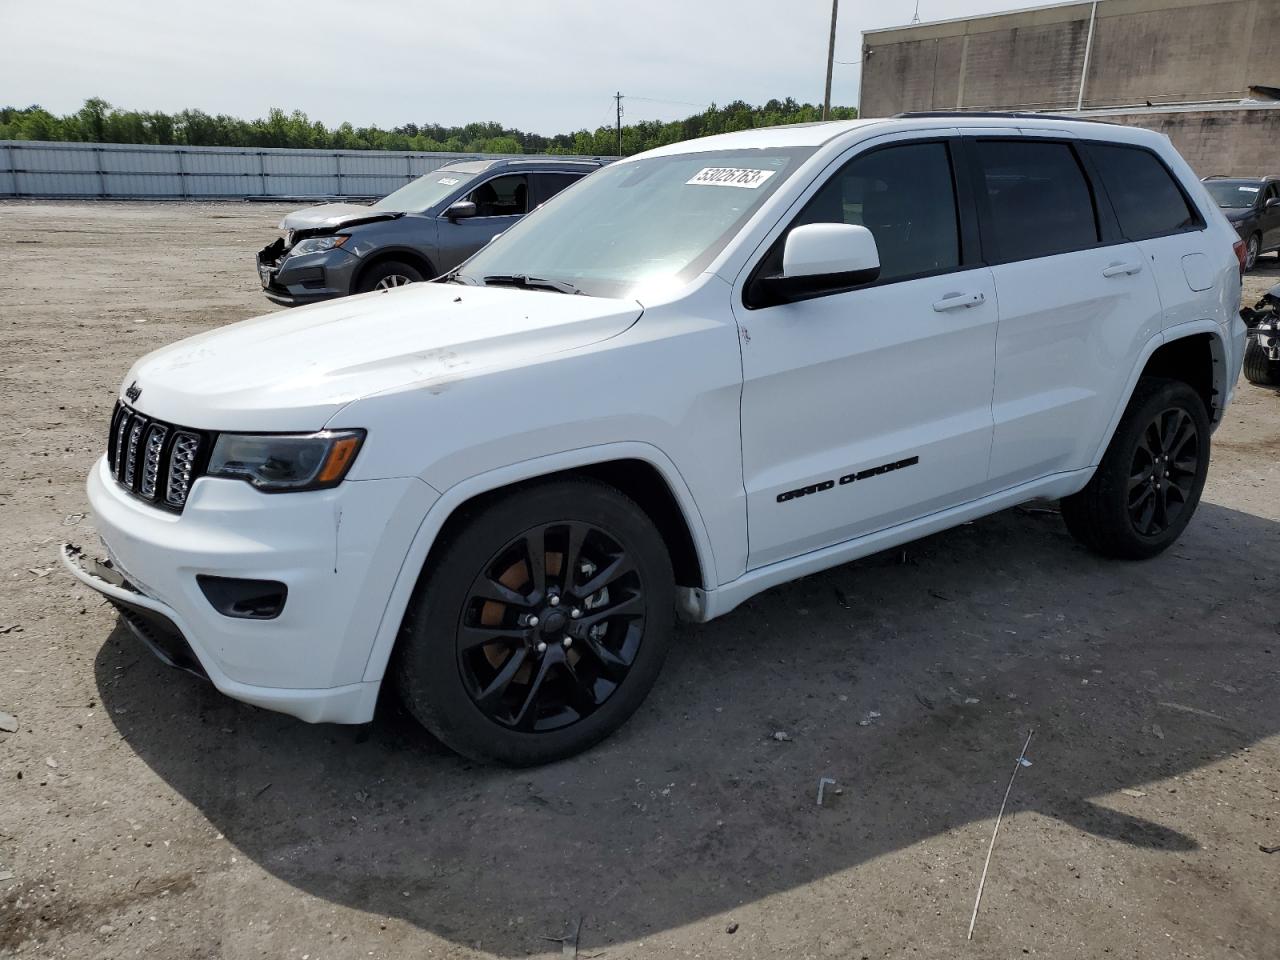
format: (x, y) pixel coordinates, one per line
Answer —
(292, 370)
(331, 216)
(1236, 214)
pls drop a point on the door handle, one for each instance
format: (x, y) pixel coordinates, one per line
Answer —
(1122, 269)
(957, 301)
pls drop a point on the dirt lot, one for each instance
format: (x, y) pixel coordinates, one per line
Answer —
(142, 814)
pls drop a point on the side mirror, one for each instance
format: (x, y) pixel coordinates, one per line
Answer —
(1272, 203)
(461, 210)
(818, 259)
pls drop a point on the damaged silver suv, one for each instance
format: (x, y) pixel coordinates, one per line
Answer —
(424, 229)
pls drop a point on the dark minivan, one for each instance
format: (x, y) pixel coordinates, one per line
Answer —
(420, 231)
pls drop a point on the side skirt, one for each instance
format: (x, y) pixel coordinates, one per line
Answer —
(699, 606)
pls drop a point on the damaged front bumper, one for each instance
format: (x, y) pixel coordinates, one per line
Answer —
(310, 278)
(337, 552)
(146, 619)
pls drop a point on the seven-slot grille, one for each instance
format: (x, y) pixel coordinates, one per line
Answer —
(154, 460)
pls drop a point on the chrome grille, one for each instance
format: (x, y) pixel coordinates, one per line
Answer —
(182, 463)
(149, 457)
(151, 460)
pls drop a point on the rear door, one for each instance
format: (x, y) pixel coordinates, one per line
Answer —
(544, 186)
(1077, 303)
(871, 406)
(1271, 218)
(1153, 211)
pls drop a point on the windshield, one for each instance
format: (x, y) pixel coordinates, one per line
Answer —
(1233, 194)
(424, 192)
(653, 220)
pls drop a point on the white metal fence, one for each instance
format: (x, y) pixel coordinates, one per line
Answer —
(121, 171)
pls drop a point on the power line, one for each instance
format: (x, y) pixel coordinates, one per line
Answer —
(683, 103)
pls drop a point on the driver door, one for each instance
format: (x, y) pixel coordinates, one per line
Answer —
(870, 407)
(500, 202)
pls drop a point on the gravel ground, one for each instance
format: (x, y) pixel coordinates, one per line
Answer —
(142, 814)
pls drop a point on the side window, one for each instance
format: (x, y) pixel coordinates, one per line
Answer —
(1143, 193)
(502, 196)
(905, 195)
(547, 185)
(1038, 200)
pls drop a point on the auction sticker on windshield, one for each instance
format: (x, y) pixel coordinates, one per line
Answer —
(448, 181)
(730, 177)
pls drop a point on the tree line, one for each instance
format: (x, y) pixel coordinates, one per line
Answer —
(99, 122)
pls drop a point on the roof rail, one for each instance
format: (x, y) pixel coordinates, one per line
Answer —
(999, 114)
(582, 160)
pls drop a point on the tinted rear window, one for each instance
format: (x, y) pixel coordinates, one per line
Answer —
(1143, 193)
(1038, 198)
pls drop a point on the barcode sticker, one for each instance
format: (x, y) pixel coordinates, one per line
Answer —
(730, 177)
(448, 181)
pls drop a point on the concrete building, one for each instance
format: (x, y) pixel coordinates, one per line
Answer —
(1205, 72)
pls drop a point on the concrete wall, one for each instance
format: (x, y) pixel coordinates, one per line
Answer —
(1228, 141)
(1162, 51)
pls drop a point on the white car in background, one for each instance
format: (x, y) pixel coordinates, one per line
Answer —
(704, 371)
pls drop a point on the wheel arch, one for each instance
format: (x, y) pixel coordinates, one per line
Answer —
(1195, 353)
(638, 470)
(407, 255)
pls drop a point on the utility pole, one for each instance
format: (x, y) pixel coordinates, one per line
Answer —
(831, 59)
(618, 99)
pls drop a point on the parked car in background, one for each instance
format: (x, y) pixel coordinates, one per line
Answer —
(424, 229)
(704, 371)
(1252, 204)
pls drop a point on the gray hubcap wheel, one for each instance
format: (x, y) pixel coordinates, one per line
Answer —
(395, 280)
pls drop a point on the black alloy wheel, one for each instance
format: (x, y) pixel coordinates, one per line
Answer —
(1146, 489)
(1162, 477)
(540, 622)
(551, 626)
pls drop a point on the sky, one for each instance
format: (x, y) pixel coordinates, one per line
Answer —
(545, 66)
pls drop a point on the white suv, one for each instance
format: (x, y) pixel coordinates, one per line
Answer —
(700, 372)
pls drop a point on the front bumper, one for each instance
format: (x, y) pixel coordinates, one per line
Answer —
(294, 281)
(338, 551)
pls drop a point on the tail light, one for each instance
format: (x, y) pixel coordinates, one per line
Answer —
(1238, 247)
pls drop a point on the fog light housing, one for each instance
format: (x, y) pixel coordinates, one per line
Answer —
(244, 599)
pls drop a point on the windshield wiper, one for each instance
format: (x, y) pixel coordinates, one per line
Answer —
(529, 283)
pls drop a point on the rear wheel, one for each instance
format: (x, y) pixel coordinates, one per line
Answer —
(1259, 368)
(388, 275)
(1149, 482)
(540, 624)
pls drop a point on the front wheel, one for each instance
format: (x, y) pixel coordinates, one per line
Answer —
(1149, 482)
(539, 625)
(388, 275)
(1252, 248)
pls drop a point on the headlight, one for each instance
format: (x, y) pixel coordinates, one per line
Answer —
(318, 245)
(275, 463)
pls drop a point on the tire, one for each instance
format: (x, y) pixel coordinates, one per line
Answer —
(1109, 516)
(477, 697)
(387, 275)
(1259, 368)
(1252, 249)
